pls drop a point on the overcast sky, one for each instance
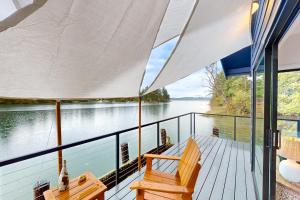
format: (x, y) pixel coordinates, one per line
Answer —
(194, 85)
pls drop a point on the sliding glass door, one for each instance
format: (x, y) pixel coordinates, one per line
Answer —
(264, 133)
(278, 52)
(259, 148)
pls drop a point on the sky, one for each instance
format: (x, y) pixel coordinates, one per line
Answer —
(194, 85)
(7, 8)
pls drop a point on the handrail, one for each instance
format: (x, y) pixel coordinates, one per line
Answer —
(117, 133)
(243, 116)
(73, 144)
(221, 115)
(77, 143)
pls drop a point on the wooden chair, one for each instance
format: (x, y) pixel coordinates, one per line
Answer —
(159, 185)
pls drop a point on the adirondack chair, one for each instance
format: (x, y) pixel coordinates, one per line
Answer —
(159, 185)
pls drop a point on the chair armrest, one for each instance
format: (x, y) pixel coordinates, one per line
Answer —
(160, 187)
(165, 157)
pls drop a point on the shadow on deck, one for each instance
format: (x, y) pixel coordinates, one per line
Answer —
(225, 172)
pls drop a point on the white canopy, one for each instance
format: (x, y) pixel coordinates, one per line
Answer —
(175, 19)
(70, 49)
(289, 48)
(79, 49)
(216, 30)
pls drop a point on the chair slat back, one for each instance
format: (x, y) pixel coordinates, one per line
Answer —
(188, 165)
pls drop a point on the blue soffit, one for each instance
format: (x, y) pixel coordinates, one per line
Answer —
(238, 63)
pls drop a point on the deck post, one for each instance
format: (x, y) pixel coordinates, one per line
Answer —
(117, 158)
(194, 125)
(157, 137)
(58, 131)
(298, 128)
(234, 137)
(191, 124)
(178, 130)
(139, 134)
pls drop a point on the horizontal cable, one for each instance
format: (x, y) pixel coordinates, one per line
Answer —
(73, 144)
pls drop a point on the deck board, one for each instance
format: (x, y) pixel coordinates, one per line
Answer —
(217, 192)
(240, 178)
(206, 167)
(209, 181)
(249, 178)
(225, 172)
(229, 189)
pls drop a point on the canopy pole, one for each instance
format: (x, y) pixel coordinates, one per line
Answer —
(139, 134)
(58, 131)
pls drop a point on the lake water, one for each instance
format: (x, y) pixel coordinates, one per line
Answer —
(25, 129)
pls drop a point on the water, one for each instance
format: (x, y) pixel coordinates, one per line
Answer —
(26, 129)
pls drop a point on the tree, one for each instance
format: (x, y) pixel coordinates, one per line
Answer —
(166, 95)
(289, 93)
(232, 94)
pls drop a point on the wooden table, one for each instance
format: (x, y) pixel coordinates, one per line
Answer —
(91, 189)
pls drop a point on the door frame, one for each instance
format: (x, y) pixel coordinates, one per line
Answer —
(267, 107)
(287, 13)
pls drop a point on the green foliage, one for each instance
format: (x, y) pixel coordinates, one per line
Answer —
(160, 95)
(289, 93)
(233, 94)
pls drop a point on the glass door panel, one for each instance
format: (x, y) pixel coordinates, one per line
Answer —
(259, 126)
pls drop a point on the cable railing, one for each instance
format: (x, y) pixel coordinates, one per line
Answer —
(118, 133)
(93, 152)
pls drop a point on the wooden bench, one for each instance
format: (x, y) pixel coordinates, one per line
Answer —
(160, 185)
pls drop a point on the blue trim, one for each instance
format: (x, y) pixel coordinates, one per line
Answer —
(238, 63)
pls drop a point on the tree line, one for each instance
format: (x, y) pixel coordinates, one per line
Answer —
(160, 95)
(232, 95)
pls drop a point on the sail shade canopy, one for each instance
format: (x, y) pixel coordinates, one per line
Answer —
(216, 29)
(175, 19)
(75, 49)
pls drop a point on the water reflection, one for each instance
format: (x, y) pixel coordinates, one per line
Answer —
(27, 128)
(24, 129)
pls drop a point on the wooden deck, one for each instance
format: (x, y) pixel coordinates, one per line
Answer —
(225, 172)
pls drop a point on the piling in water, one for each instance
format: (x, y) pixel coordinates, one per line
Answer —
(125, 153)
(39, 188)
(163, 135)
(216, 132)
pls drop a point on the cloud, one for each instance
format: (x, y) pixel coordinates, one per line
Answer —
(157, 60)
(194, 85)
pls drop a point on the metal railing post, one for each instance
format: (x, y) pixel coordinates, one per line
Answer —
(234, 137)
(157, 136)
(117, 158)
(178, 129)
(194, 125)
(191, 124)
(298, 128)
(117, 134)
